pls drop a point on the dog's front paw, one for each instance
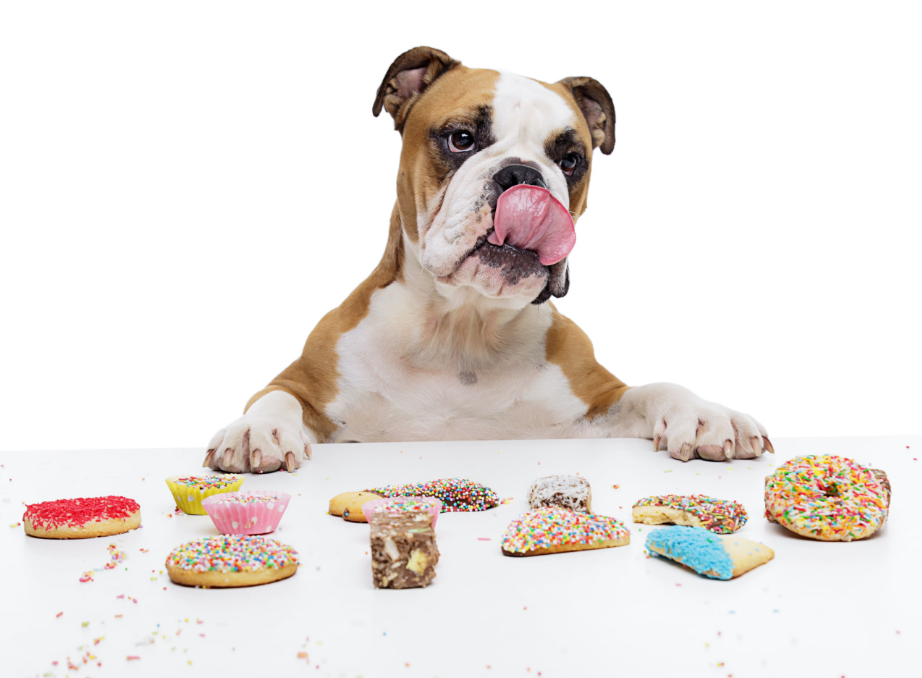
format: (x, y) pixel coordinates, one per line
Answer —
(257, 444)
(691, 427)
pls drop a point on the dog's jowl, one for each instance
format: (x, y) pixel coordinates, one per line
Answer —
(454, 336)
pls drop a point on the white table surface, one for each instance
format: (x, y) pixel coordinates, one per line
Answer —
(818, 609)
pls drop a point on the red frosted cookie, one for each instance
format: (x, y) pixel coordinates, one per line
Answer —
(81, 518)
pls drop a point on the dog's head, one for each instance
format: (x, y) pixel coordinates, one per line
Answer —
(494, 171)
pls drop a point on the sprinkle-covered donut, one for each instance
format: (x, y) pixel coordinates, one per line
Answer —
(456, 494)
(81, 518)
(231, 560)
(555, 530)
(719, 516)
(828, 498)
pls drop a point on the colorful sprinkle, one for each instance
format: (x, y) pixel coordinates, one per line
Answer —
(207, 482)
(232, 553)
(716, 515)
(456, 494)
(550, 526)
(399, 505)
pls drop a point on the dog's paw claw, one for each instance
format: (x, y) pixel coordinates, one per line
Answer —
(257, 444)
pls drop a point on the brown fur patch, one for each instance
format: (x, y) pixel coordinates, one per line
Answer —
(568, 347)
(578, 192)
(312, 377)
(459, 91)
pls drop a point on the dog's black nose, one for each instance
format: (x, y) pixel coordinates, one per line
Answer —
(515, 175)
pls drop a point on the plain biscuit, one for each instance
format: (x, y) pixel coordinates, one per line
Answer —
(349, 505)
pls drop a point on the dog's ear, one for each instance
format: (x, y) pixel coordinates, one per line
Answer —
(408, 77)
(597, 108)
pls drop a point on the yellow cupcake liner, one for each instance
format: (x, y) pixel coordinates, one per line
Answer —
(189, 499)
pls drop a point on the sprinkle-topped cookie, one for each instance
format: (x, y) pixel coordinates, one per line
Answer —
(827, 497)
(550, 529)
(716, 515)
(232, 553)
(79, 512)
(456, 494)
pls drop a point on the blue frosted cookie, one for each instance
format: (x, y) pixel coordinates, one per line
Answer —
(714, 556)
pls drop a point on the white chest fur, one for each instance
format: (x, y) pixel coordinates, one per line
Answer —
(411, 374)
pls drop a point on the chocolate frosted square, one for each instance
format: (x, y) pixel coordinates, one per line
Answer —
(403, 550)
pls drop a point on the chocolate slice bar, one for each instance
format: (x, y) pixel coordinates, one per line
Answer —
(403, 550)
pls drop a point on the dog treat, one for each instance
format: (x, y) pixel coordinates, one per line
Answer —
(569, 492)
(714, 556)
(716, 515)
(828, 498)
(555, 530)
(188, 491)
(349, 505)
(229, 561)
(456, 494)
(81, 518)
(403, 550)
(256, 512)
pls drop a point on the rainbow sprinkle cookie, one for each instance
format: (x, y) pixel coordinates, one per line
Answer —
(556, 530)
(456, 494)
(708, 554)
(828, 498)
(230, 561)
(716, 515)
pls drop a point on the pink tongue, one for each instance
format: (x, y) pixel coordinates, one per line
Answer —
(530, 218)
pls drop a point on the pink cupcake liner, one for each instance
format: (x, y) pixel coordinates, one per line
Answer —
(232, 516)
(435, 505)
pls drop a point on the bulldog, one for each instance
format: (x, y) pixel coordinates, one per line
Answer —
(453, 336)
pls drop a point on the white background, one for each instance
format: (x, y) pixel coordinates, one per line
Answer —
(185, 188)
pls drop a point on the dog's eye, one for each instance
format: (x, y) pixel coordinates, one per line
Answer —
(460, 141)
(569, 163)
